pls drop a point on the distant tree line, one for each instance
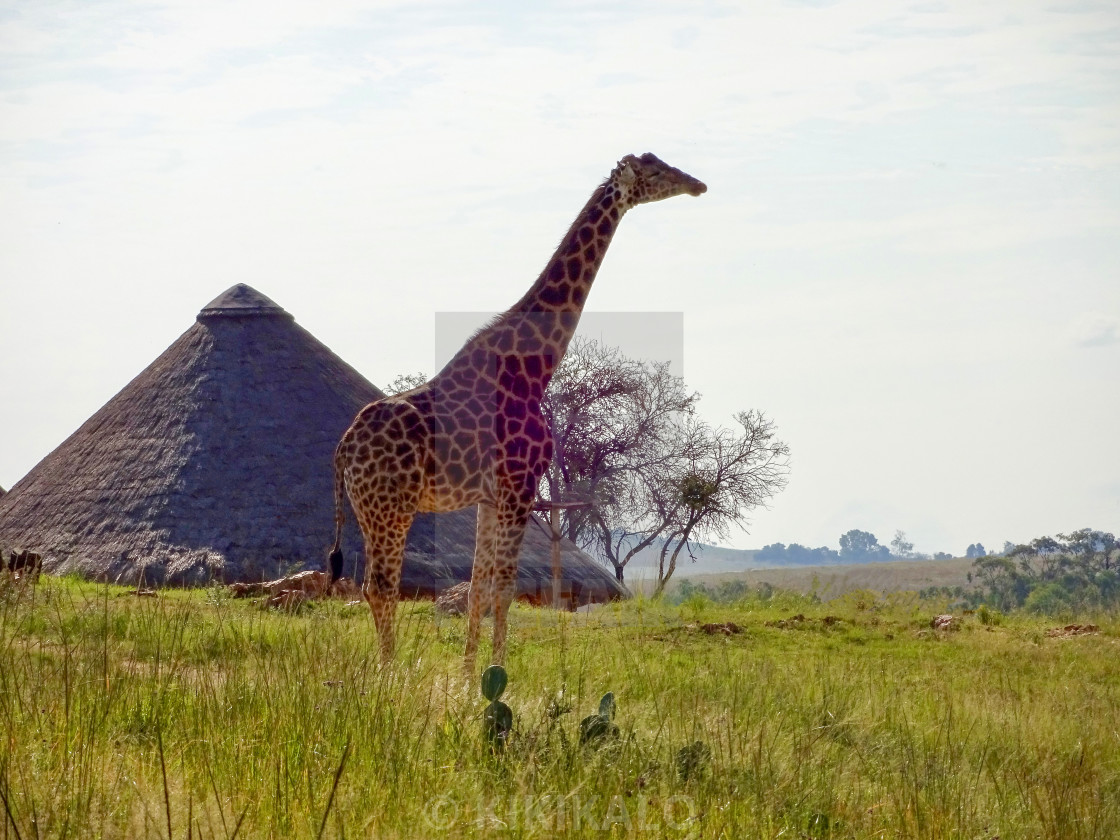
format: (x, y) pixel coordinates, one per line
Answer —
(728, 592)
(1063, 575)
(1067, 573)
(797, 554)
(855, 547)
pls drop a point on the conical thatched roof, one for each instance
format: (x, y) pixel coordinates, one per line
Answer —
(216, 460)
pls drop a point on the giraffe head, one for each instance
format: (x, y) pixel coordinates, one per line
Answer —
(648, 178)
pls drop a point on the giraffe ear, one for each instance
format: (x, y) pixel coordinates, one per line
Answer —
(627, 175)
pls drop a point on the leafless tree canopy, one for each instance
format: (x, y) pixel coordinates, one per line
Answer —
(405, 382)
(726, 473)
(629, 445)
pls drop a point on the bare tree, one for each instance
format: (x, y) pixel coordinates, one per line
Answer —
(616, 423)
(405, 382)
(651, 498)
(900, 546)
(731, 472)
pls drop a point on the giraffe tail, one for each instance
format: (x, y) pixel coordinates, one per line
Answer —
(334, 558)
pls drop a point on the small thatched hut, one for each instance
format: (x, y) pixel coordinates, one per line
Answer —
(215, 461)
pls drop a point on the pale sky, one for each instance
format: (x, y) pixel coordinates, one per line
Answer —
(908, 256)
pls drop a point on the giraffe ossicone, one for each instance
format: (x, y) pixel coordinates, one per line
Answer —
(474, 434)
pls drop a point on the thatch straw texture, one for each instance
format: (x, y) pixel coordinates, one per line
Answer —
(215, 461)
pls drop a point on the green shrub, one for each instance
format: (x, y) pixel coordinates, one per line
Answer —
(1051, 599)
(988, 616)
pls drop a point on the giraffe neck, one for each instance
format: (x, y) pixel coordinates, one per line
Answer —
(566, 280)
(543, 322)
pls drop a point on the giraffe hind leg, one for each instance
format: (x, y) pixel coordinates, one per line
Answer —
(380, 464)
(388, 507)
(384, 558)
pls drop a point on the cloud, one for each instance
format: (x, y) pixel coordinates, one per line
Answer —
(1097, 331)
(737, 74)
(935, 179)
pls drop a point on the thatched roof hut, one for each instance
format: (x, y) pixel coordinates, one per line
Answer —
(216, 461)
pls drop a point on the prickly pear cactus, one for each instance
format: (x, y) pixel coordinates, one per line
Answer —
(693, 760)
(498, 718)
(494, 680)
(499, 723)
(606, 705)
(596, 728)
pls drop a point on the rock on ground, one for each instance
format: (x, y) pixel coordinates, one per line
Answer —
(291, 591)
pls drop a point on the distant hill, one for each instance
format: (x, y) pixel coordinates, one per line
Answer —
(835, 580)
(710, 559)
(714, 559)
(715, 564)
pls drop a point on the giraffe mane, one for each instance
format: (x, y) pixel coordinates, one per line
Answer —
(596, 196)
(518, 308)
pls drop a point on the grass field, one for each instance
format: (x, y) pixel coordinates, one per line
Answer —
(192, 715)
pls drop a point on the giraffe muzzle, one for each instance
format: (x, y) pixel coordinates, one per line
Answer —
(696, 187)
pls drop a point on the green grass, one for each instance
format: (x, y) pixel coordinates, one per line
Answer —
(192, 715)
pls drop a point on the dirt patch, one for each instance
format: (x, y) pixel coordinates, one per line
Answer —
(1071, 630)
(788, 623)
(799, 620)
(728, 628)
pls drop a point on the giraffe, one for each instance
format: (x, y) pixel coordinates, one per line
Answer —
(474, 434)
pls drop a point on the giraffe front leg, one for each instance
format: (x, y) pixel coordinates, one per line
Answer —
(510, 532)
(478, 604)
(505, 588)
(480, 597)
